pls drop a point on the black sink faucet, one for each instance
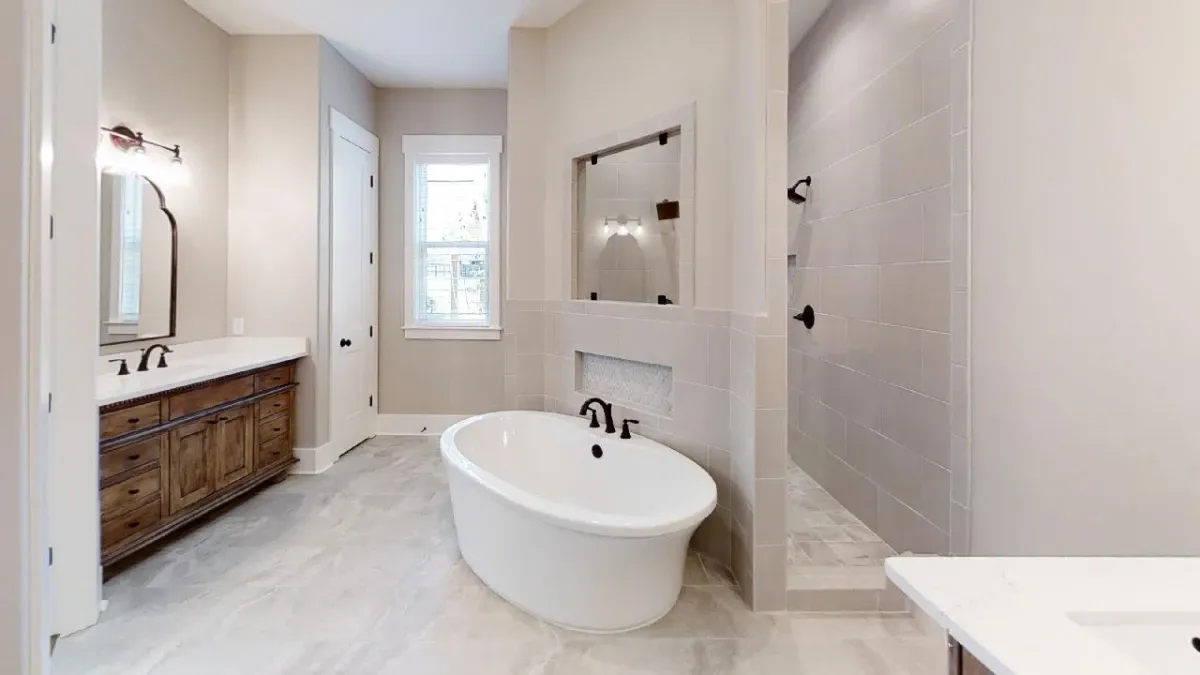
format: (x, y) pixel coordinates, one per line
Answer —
(144, 364)
(609, 427)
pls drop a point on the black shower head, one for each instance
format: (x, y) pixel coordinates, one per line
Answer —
(794, 196)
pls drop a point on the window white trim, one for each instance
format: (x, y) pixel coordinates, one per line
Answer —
(478, 149)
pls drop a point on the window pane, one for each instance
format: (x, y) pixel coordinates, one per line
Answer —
(131, 250)
(454, 285)
(452, 202)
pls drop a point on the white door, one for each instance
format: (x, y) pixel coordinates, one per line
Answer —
(354, 231)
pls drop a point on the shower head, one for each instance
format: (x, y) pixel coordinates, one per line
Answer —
(794, 196)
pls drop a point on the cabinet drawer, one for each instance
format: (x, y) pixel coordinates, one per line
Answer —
(130, 494)
(275, 405)
(116, 461)
(273, 378)
(274, 451)
(210, 396)
(274, 427)
(128, 420)
(115, 531)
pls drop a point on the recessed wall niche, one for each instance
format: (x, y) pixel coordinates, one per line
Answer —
(646, 386)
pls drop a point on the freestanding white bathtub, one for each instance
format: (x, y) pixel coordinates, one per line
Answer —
(594, 544)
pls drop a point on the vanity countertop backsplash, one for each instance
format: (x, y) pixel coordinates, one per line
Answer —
(190, 363)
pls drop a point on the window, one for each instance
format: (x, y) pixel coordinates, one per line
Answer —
(123, 205)
(452, 237)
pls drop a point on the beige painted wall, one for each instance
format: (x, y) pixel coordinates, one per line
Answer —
(611, 64)
(1085, 250)
(166, 74)
(429, 376)
(17, 599)
(274, 119)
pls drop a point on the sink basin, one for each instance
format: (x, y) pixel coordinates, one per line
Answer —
(1159, 641)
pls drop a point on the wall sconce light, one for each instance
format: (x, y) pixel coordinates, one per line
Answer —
(127, 154)
(622, 222)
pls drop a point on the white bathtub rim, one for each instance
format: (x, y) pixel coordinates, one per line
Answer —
(567, 516)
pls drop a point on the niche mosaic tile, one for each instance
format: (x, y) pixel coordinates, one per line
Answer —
(644, 385)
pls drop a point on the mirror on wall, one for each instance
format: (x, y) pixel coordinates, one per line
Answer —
(138, 252)
(626, 211)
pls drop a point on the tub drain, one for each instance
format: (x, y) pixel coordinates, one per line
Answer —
(597, 451)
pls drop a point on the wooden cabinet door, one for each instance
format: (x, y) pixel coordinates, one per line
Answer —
(192, 462)
(235, 445)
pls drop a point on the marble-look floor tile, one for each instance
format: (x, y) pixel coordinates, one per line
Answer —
(357, 572)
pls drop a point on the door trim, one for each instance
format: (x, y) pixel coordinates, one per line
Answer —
(317, 460)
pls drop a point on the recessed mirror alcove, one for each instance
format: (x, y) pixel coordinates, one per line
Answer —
(632, 214)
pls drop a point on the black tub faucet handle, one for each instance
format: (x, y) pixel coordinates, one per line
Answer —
(625, 428)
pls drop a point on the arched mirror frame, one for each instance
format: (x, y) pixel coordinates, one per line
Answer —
(162, 205)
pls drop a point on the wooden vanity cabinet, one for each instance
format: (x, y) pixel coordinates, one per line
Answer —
(962, 662)
(170, 458)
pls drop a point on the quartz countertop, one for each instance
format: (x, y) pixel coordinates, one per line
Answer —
(191, 363)
(1034, 616)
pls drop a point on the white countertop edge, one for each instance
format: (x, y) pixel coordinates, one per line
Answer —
(941, 618)
(1023, 636)
(197, 376)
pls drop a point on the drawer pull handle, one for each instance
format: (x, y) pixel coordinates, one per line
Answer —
(276, 405)
(275, 429)
(223, 419)
(134, 458)
(134, 524)
(134, 491)
(134, 420)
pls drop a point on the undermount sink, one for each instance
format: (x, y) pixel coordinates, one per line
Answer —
(1162, 642)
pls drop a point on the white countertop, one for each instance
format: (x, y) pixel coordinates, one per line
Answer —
(1091, 616)
(191, 363)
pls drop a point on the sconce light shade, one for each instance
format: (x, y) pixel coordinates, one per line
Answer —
(668, 209)
(177, 173)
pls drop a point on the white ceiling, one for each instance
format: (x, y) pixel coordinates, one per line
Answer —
(400, 43)
(420, 43)
(802, 14)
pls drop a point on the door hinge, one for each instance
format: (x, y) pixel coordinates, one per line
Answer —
(51, 227)
(372, 181)
(53, 34)
(371, 258)
(370, 401)
(52, 555)
(50, 403)
(371, 331)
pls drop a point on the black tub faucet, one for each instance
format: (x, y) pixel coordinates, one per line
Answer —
(609, 427)
(144, 364)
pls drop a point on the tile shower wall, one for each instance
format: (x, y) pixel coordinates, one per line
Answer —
(694, 344)
(758, 243)
(877, 118)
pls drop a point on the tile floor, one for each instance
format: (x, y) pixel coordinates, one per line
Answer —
(829, 549)
(356, 571)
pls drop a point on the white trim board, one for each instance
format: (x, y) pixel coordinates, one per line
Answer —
(416, 425)
(315, 460)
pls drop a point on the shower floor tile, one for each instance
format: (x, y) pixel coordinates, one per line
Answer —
(831, 550)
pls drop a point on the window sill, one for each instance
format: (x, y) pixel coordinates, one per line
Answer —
(119, 327)
(451, 333)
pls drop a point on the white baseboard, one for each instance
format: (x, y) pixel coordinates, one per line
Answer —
(415, 425)
(315, 460)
